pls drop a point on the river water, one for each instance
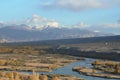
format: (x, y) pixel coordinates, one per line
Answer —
(67, 70)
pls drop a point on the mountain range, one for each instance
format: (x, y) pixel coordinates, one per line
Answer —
(16, 33)
(22, 32)
(37, 28)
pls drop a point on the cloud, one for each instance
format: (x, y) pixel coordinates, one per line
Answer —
(109, 25)
(119, 21)
(78, 5)
(35, 22)
(105, 28)
(2, 22)
(81, 25)
(114, 25)
(104, 25)
(36, 19)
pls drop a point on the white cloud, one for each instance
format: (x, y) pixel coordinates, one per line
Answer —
(78, 5)
(36, 19)
(119, 21)
(82, 25)
(105, 25)
(2, 22)
(112, 25)
(109, 25)
(36, 22)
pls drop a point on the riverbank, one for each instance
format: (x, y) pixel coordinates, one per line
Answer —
(94, 72)
(39, 62)
(35, 76)
(44, 62)
(107, 66)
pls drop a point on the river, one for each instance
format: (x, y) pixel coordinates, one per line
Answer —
(67, 70)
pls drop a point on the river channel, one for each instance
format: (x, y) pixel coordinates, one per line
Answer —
(67, 70)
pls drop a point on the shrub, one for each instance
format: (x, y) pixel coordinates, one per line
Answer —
(34, 76)
(117, 70)
(2, 62)
(55, 78)
(44, 77)
(9, 75)
(97, 62)
(1, 74)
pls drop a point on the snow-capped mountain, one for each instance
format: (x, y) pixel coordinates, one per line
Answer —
(23, 33)
(39, 28)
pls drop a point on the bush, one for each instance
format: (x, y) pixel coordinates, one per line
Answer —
(117, 70)
(1, 74)
(9, 75)
(44, 77)
(55, 78)
(2, 62)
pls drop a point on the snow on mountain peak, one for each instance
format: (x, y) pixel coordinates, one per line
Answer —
(39, 23)
(96, 31)
(53, 24)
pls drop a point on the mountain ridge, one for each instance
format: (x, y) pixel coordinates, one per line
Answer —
(18, 33)
(103, 39)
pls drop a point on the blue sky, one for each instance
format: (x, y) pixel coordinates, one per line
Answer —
(65, 12)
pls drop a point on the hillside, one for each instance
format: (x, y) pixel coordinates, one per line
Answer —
(70, 41)
(97, 47)
(21, 33)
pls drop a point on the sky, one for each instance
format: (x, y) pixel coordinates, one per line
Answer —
(98, 15)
